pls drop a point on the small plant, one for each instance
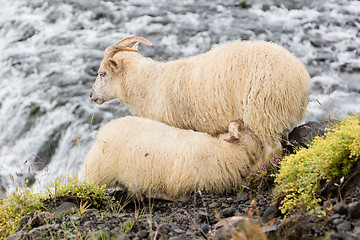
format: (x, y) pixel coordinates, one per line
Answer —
(18, 204)
(301, 174)
(262, 178)
(83, 207)
(127, 226)
(23, 201)
(82, 190)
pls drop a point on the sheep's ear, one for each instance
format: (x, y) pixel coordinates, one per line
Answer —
(114, 64)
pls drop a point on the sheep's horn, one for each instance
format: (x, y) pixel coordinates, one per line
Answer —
(130, 40)
(112, 50)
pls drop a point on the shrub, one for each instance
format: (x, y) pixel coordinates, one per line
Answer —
(301, 174)
(24, 201)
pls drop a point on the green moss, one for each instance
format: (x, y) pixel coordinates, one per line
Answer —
(24, 201)
(327, 157)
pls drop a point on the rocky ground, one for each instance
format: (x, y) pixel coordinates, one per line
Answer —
(236, 215)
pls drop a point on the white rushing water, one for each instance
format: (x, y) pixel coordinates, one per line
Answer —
(50, 51)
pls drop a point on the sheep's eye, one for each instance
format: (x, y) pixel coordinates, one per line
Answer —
(102, 74)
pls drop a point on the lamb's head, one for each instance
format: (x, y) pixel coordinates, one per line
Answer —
(110, 80)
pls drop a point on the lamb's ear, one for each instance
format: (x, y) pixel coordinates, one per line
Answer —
(114, 64)
(233, 132)
(231, 139)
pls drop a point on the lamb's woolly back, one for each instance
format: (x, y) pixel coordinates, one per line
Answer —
(147, 156)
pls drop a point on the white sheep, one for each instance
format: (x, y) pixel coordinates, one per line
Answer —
(257, 83)
(149, 157)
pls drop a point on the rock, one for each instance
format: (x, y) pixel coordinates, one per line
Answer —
(269, 228)
(203, 231)
(202, 216)
(338, 221)
(341, 208)
(16, 236)
(357, 230)
(66, 207)
(89, 224)
(163, 229)
(354, 210)
(91, 210)
(23, 221)
(176, 229)
(345, 226)
(75, 217)
(304, 134)
(342, 236)
(213, 205)
(37, 221)
(142, 234)
(228, 212)
(122, 236)
(270, 213)
(38, 232)
(189, 232)
(241, 196)
(177, 237)
(231, 221)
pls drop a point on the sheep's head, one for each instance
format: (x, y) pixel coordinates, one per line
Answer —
(109, 79)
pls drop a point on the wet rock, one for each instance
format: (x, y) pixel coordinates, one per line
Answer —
(341, 208)
(303, 135)
(354, 210)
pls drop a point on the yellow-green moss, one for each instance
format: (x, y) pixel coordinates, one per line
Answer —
(328, 156)
(24, 201)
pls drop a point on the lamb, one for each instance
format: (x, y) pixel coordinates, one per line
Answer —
(257, 83)
(149, 157)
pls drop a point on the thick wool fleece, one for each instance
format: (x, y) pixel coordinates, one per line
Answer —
(257, 83)
(150, 157)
